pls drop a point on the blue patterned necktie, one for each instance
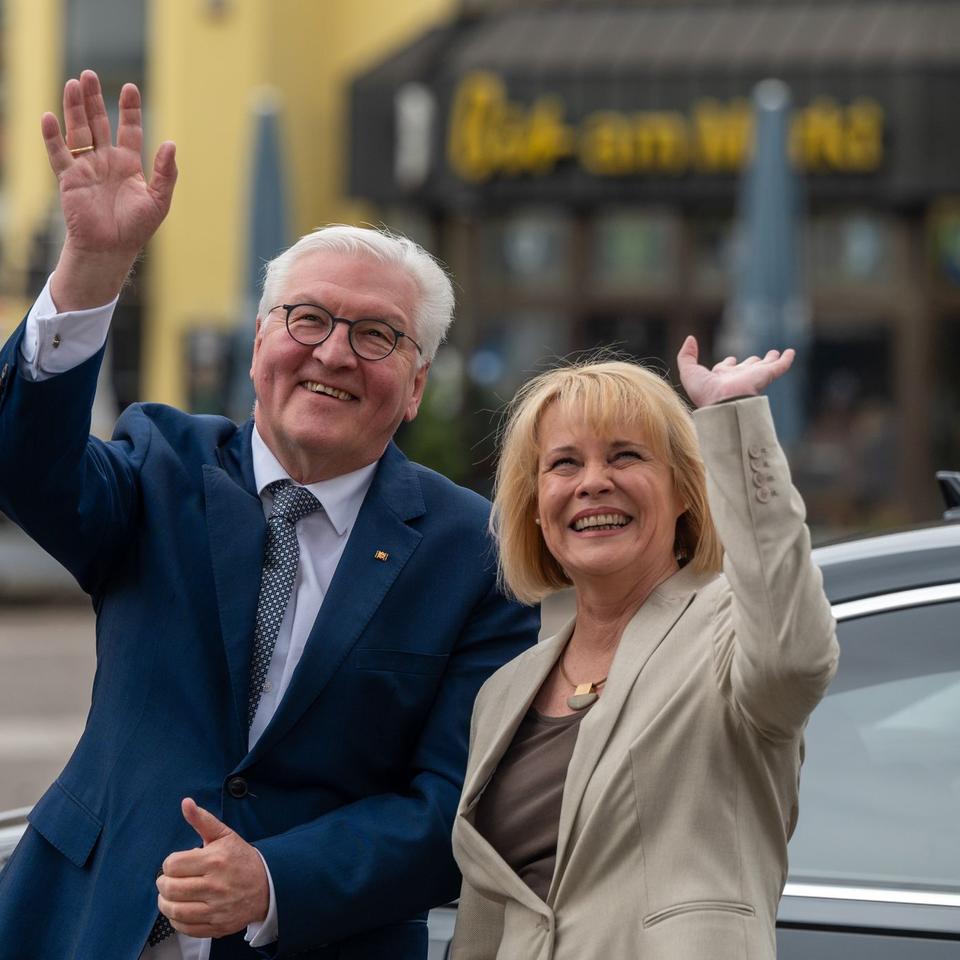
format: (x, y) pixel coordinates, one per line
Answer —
(281, 556)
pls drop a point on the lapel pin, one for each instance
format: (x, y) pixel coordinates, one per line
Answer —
(381, 555)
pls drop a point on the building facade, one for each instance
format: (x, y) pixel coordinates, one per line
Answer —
(210, 71)
(577, 165)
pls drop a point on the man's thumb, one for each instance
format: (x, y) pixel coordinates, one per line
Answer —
(205, 823)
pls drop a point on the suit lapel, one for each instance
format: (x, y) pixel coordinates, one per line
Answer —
(359, 585)
(236, 529)
(645, 632)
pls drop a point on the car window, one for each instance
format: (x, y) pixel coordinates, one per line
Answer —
(880, 788)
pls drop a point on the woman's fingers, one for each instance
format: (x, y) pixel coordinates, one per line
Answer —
(770, 357)
(785, 361)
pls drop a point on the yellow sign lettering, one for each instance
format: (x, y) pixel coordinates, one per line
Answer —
(662, 142)
(491, 136)
(722, 134)
(606, 144)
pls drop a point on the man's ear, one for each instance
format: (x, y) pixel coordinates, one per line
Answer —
(419, 383)
(256, 346)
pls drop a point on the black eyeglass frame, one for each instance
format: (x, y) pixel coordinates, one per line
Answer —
(288, 308)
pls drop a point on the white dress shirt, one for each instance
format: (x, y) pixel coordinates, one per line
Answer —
(56, 342)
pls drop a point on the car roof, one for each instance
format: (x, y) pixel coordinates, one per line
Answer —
(903, 560)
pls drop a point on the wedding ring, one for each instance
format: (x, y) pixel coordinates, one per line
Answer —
(76, 151)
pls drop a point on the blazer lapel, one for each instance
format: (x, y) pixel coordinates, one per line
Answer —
(359, 585)
(528, 677)
(236, 529)
(645, 632)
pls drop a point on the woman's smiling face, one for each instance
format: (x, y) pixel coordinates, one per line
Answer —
(606, 501)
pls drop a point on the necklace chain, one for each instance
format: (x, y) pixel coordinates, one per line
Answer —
(596, 685)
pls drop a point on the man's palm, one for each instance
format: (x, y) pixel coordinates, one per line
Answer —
(107, 204)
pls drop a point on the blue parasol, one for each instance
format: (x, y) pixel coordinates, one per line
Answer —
(768, 308)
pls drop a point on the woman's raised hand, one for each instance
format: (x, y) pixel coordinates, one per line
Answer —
(729, 378)
(109, 208)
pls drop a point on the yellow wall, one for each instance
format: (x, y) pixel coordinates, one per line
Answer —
(201, 69)
(206, 63)
(204, 71)
(349, 36)
(33, 57)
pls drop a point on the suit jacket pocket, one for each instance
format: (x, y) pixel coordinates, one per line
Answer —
(401, 661)
(65, 822)
(691, 906)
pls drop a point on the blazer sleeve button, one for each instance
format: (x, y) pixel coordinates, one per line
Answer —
(755, 452)
(763, 494)
(237, 788)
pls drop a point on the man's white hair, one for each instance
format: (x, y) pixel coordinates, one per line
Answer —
(434, 309)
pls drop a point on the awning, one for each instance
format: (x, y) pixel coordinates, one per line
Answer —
(589, 103)
(778, 37)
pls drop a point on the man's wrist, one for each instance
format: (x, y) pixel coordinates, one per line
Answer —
(83, 280)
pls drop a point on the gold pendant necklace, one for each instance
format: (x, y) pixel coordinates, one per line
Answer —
(583, 693)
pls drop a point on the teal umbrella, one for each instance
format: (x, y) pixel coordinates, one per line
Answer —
(267, 235)
(768, 308)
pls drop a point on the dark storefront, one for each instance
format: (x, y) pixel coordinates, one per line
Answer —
(576, 165)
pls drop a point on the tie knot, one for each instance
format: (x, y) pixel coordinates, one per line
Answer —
(291, 502)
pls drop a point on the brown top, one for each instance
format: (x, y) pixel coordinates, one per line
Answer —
(519, 812)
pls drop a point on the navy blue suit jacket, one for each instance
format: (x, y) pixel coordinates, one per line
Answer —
(352, 789)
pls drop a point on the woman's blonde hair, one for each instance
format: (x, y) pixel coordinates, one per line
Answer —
(605, 395)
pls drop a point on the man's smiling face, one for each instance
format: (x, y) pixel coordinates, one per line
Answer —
(322, 410)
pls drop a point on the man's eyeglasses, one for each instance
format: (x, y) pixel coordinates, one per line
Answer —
(311, 325)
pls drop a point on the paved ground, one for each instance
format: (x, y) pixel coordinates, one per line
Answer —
(46, 672)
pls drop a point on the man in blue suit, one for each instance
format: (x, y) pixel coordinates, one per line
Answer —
(292, 619)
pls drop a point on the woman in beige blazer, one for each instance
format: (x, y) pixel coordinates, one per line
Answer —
(632, 781)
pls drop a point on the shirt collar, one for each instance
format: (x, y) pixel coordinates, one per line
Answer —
(341, 497)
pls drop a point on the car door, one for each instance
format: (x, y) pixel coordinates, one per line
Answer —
(875, 861)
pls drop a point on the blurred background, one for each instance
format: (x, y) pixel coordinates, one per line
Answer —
(592, 172)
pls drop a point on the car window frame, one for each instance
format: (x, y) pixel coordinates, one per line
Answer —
(859, 904)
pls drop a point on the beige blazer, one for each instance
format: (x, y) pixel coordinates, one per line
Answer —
(682, 790)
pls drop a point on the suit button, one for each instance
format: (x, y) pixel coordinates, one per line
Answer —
(237, 788)
(763, 494)
(754, 452)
